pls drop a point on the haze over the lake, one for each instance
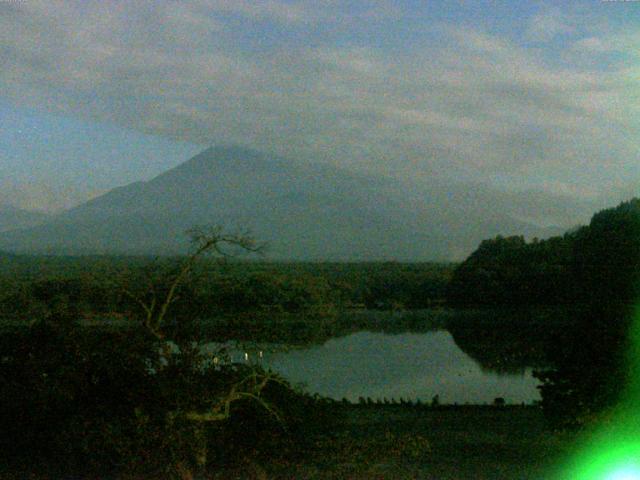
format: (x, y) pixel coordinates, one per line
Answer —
(539, 96)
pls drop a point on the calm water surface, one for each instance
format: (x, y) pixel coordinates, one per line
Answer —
(408, 365)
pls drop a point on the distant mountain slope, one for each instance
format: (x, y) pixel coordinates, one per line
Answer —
(304, 211)
(12, 218)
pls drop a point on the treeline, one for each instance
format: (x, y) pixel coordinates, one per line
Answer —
(112, 286)
(591, 272)
(142, 402)
(508, 271)
(591, 265)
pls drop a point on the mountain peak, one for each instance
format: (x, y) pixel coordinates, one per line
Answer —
(227, 152)
(303, 210)
(225, 156)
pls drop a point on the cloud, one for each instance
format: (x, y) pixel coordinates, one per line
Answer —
(269, 9)
(546, 25)
(592, 45)
(474, 105)
(302, 12)
(621, 43)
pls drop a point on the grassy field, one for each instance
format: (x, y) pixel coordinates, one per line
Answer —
(447, 443)
(401, 443)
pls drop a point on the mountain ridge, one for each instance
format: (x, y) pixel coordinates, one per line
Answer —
(305, 211)
(12, 217)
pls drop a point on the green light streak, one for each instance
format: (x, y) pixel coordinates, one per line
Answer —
(612, 451)
(626, 473)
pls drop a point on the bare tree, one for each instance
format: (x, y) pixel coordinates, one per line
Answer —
(155, 303)
(205, 241)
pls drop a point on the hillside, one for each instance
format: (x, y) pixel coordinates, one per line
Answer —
(12, 218)
(304, 211)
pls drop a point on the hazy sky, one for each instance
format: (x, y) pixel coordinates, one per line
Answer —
(541, 95)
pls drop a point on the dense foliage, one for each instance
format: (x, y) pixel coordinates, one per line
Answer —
(508, 271)
(594, 270)
(94, 286)
(86, 402)
(145, 401)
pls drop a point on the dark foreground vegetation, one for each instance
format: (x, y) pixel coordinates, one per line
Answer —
(103, 372)
(593, 272)
(74, 401)
(142, 401)
(442, 443)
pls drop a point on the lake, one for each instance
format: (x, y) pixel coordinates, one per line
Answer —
(408, 365)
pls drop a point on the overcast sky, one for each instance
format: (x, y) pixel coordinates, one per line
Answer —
(540, 95)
